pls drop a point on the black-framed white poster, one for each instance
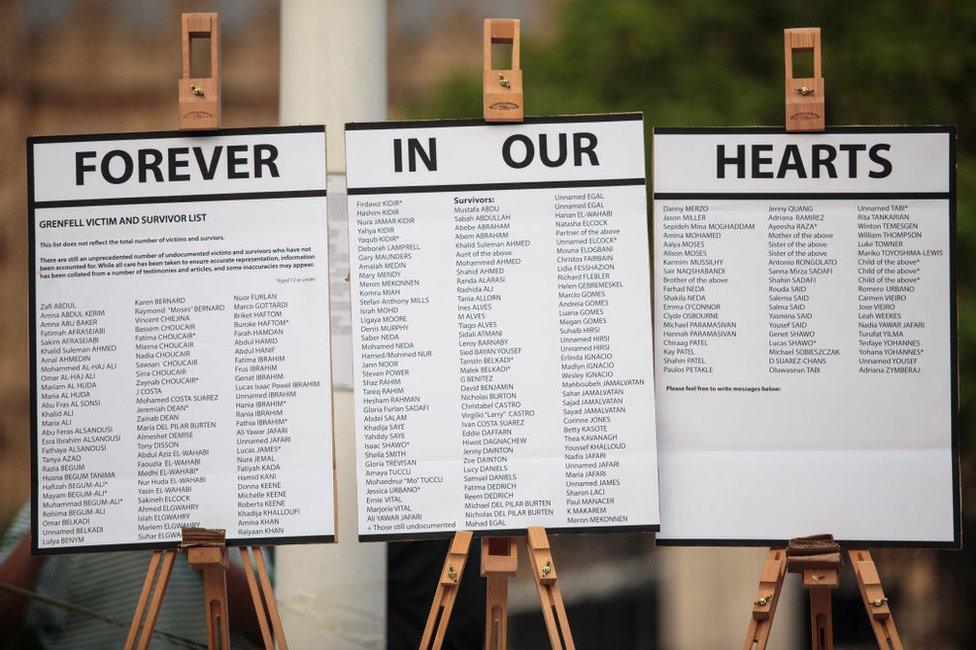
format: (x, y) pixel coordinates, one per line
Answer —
(502, 326)
(805, 335)
(180, 362)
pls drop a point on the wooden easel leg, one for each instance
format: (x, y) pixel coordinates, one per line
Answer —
(550, 598)
(821, 619)
(446, 593)
(256, 596)
(819, 582)
(496, 614)
(206, 551)
(215, 600)
(875, 602)
(153, 590)
(499, 561)
(269, 599)
(767, 597)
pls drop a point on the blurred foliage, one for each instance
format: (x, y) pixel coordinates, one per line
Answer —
(720, 63)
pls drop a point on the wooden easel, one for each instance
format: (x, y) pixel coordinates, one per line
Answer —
(206, 549)
(499, 562)
(805, 108)
(820, 581)
(503, 102)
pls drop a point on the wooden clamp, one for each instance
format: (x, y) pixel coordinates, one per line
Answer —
(206, 551)
(446, 593)
(544, 574)
(199, 97)
(503, 98)
(499, 562)
(804, 96)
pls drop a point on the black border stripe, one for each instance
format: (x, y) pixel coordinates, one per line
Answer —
(954, 343)
(539, 119)
(749, 196)
(145, 135)
(151, 546)
(484, 187)
(950, 130)
(32, 362)
(447, 534)
(180, 198)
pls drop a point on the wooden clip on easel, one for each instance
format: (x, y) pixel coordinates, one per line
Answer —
(206, 549)
(199, 97)
(805, 101)
(503, 97)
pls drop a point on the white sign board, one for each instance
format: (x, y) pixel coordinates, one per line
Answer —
(180, 359)
(805, 329)
(502, 326)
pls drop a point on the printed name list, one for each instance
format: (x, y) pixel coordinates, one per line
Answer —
(804, 327)
(501, 314)
(181, 338)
